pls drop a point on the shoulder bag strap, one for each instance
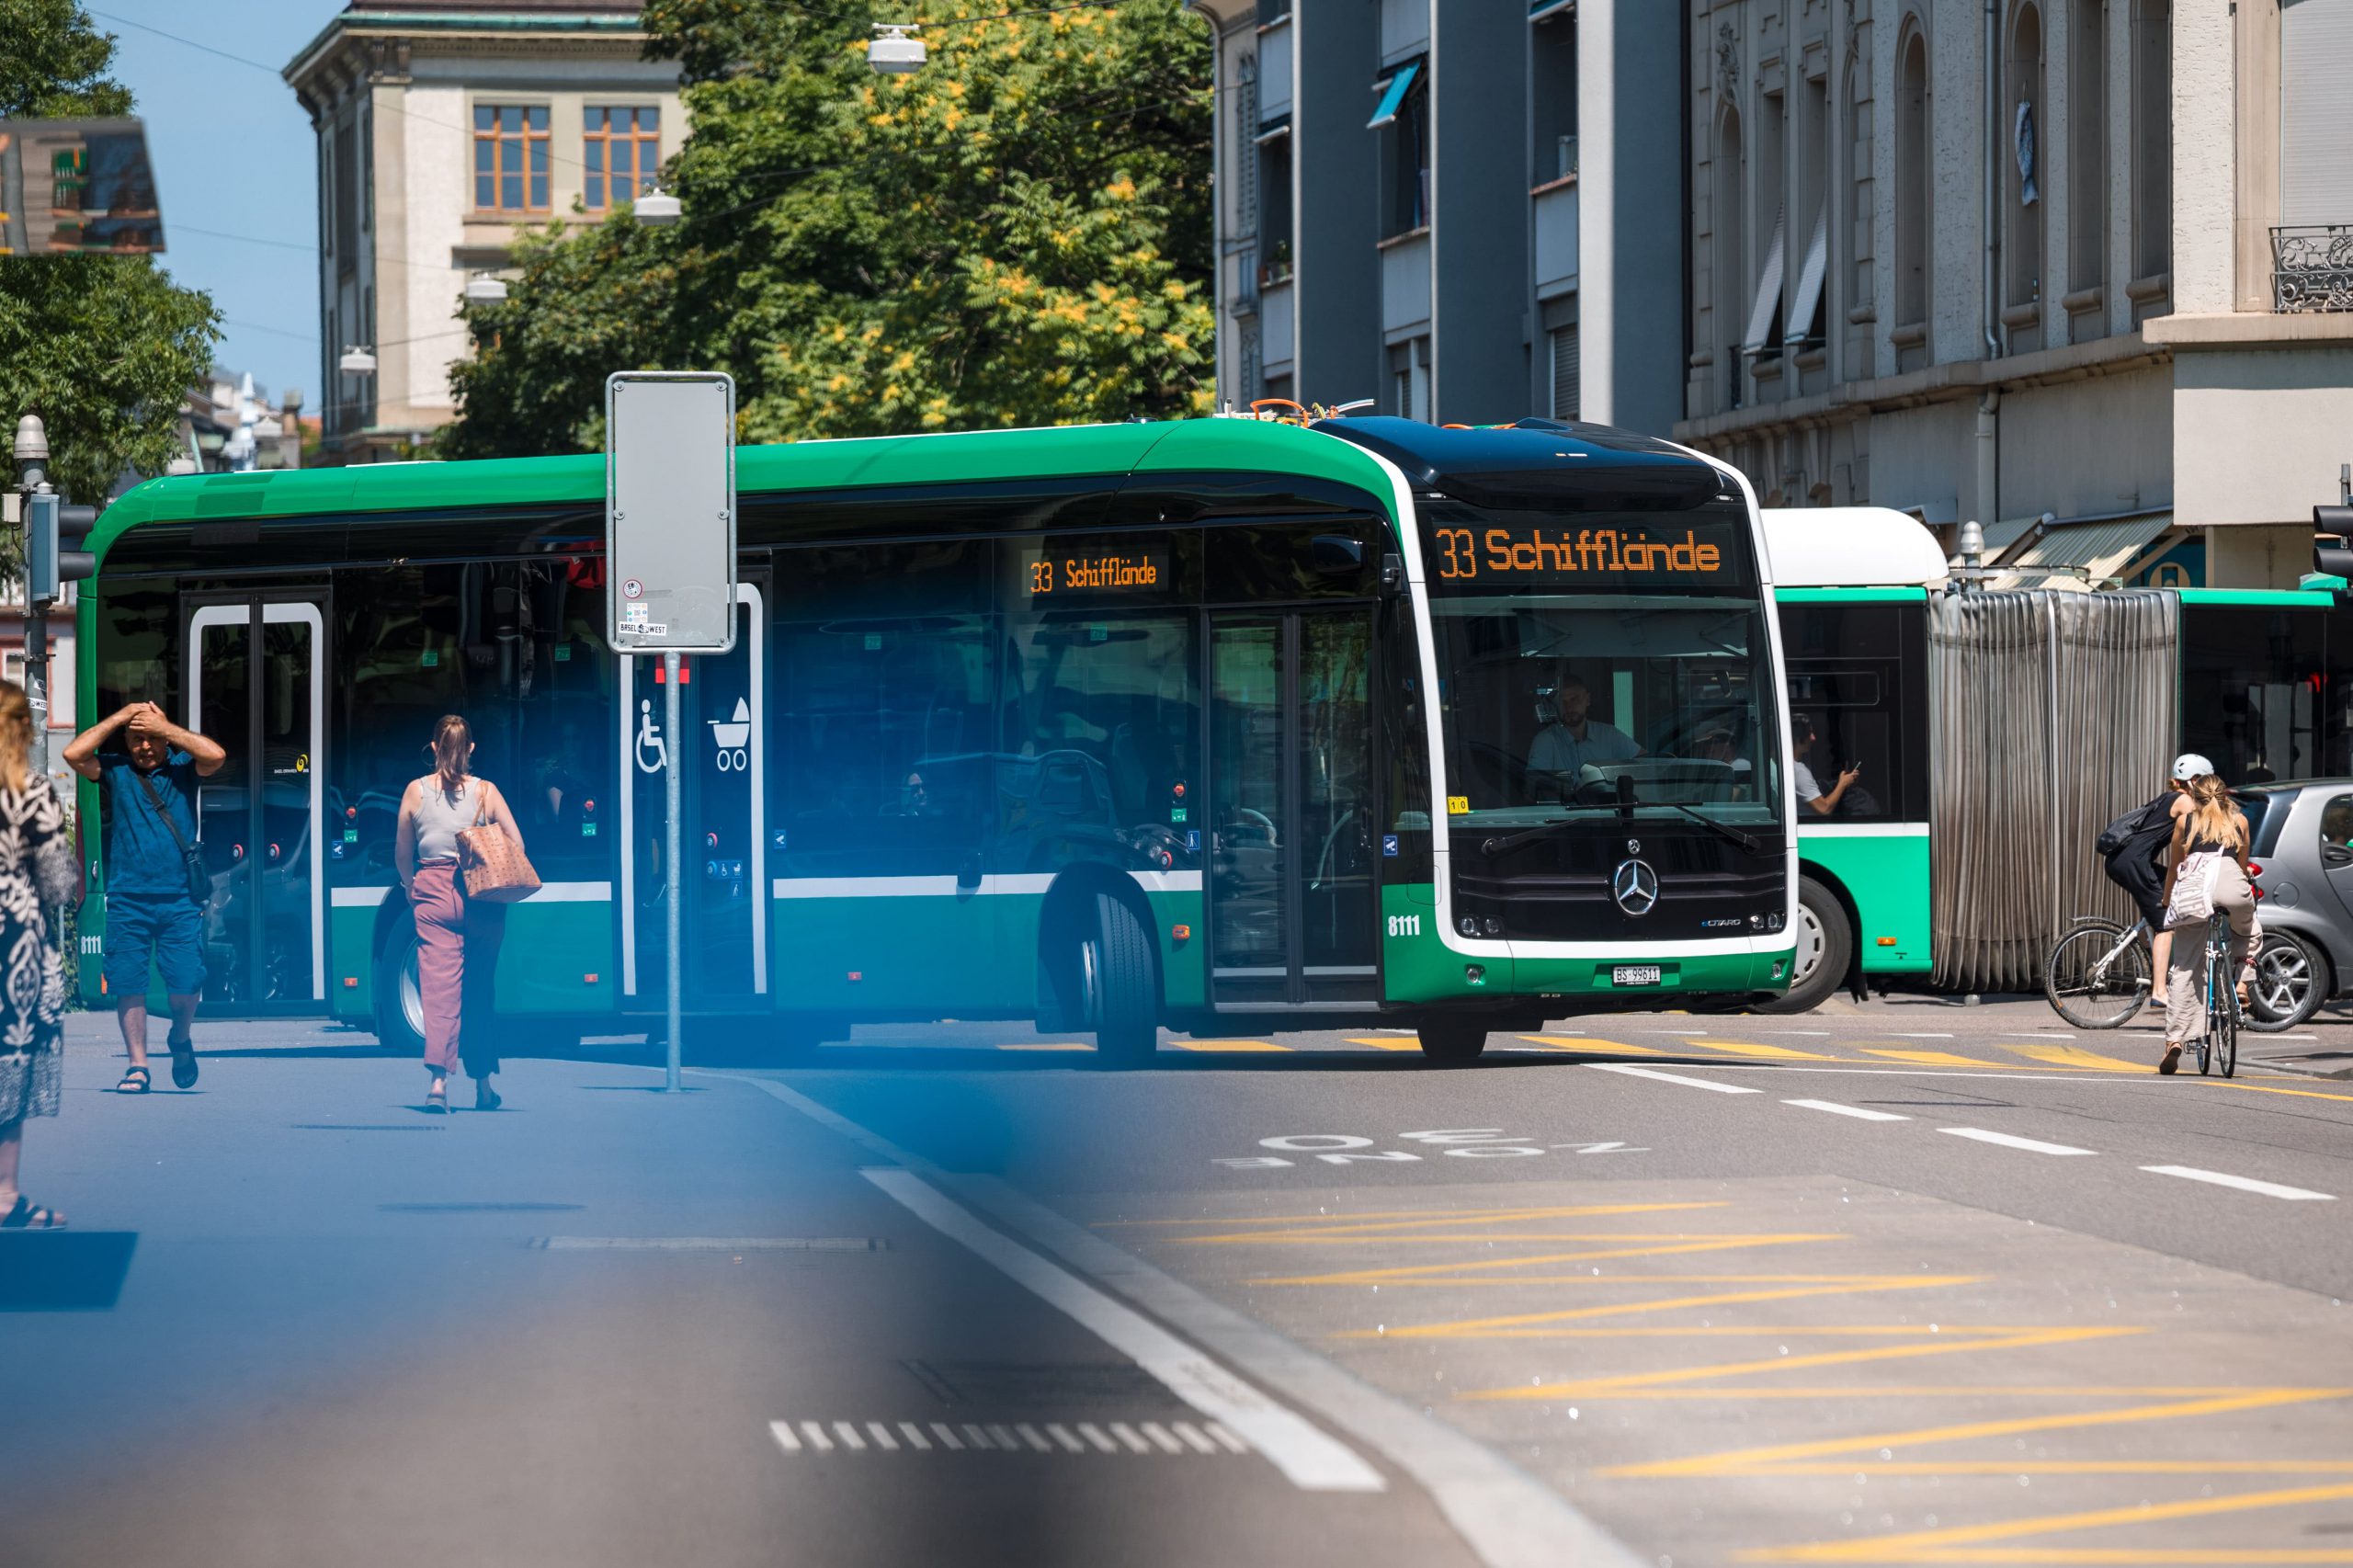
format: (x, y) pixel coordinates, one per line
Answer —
(147, 782)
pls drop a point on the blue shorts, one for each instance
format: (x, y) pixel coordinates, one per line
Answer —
(159, 930)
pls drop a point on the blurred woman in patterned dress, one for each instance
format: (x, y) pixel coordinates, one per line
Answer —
(36, 881)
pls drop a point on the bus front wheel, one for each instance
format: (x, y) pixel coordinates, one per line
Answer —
(1119, 985)
(1453, 1042)
(1824, 950)
(399, 1005)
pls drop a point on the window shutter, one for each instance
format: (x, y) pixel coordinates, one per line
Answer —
(2315, 111)
(1567, 392)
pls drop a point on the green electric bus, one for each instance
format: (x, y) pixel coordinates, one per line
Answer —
(1225, 723)
(2260, 681)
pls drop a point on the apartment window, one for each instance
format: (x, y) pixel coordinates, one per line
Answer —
(2088, 148)
(1857, 228)
(367, 172)
(1272, 11)
(1762, 341)
(1811, 209)
(2152, 138)
(1730, 264)
(1553, 48)
(1912, 182)
(619, 149)
(2022, 176)
(347, 194)
(511, 157)
(1401, 118)
(1409, 378)
(1274, 208)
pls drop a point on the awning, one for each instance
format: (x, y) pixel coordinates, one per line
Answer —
(1810, 280)
(1392, 97)
(1768, 294)
(2090, 550)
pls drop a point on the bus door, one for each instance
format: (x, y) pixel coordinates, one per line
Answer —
(254, 667)
(724, 846)
(1292, 815)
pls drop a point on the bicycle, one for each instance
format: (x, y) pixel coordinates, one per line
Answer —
(2098, 974)
(2221, 1037)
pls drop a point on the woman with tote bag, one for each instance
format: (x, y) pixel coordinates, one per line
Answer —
(459, 856)
(2209, 873)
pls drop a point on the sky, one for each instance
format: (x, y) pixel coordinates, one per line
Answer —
(236, 164)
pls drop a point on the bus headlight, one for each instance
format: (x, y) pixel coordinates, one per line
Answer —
(1468, 925)
(1494, 927)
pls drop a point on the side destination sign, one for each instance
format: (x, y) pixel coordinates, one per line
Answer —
(670, 511)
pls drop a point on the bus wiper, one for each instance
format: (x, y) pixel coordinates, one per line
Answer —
(1723, 829)
(1494, 846)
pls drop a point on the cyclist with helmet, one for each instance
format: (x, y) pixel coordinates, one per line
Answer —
(2137, 863)
(2209, 837)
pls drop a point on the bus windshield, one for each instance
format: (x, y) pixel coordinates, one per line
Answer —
(1595, 663)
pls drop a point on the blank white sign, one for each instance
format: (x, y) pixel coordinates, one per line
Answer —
(670, 511)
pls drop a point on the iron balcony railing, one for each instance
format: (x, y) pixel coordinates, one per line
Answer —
(2311, 268)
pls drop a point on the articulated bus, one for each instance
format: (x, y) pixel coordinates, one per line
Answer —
(1219, 724)
(2260, 681)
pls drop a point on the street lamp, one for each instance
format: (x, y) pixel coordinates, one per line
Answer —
(655, 207)
(357, 361)
(894, 51)
(485, 289)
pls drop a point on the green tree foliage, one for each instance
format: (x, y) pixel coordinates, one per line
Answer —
(103, 348)
(1017, 234)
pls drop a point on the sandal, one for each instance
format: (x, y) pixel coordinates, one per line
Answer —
(437, 1100)
(2172, 1061)
(134, 1081)
(24, 1216)
(183, 1062)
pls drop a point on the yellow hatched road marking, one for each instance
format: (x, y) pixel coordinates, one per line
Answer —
(2262, 1089)
(1581, 1043)
(1386, 1041)
(1916, 1390)
(1382, 1227)
(1525, 1325)
(1743, 1462)
(2071, 1056)
(1449, 1216)
(1935, 1546)
(2070, 1467)
(1235, 1045)
(1772, 1053)
(1927, 1058)
(1406, 1273)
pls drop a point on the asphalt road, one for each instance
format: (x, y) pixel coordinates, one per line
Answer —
(1901, 1283)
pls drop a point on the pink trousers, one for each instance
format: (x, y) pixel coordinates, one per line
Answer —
(457, 958)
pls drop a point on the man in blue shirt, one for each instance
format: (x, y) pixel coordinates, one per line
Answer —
(1573, 738)
(146, 768)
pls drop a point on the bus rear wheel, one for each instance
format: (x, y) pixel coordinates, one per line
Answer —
(1453, 1042)
(1825, 950)
(1119, 985)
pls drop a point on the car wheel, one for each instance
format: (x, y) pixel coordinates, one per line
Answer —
(1825, 948)
(2290, 982)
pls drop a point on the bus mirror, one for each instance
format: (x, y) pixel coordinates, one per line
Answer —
(1393, 573)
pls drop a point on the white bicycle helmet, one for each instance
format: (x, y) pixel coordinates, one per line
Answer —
(2189, 766)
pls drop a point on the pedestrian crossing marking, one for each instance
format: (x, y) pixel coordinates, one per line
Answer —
(1062, 1045)
(2075, 1056)
(1084, 1438)
(1387, 1042)
(1743, 1047)
(1928, 1058)
(1580, 1044)
(1235, 1045)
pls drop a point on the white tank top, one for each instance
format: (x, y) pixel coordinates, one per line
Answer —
(441, 816)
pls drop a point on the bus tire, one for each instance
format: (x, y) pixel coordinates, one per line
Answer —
(1452, 1043)
(1826, 951)
(400, 1007)
(1121, 985)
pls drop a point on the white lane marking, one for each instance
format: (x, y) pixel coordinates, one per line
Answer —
(977, 1439)
(708, 1244)
(882, 1437)
(1634, 1072)
(915, 1436)
(1060, 1434)
(1231, 1443)
(1192, 1437)
(817, 1439)
(2244, 1184)
(1036, 1440)
(1182, 1439)
(2031, 1145)
(786, 1438)
(1159, 1435)
(1857, 1112)
(1918, 1034)
(1004, 1436)
(850, 1437)
(1824, 1034)
(1093, 1434)
(1309, 1457)
(1127, 1434)
(947, 1440)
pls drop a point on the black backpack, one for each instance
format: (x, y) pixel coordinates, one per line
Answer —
(2132, 826)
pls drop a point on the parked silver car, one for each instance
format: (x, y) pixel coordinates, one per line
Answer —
(2303, 842)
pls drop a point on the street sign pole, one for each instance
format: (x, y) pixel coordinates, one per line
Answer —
(670, 559)
(674, 789)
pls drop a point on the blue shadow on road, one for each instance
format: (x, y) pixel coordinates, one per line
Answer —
(67, 1271)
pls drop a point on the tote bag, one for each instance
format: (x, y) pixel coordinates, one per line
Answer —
(494, 866)
(2193, 889)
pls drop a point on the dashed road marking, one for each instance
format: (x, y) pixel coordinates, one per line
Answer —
(2011, 1141)
(1857, 1112)
(1927, 1058)
(1227, 1045)
(1052, 1045)
(1184, 1439)
(1770, 1053)
(1672, 1078)
(2244, 1184)
(1581, 1043)
(2075, 1056)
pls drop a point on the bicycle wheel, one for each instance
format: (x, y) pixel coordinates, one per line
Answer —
(2095, 978)
(2218, 993)
(2226, 1042)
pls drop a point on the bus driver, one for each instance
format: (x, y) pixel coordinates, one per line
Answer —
(1572, 738)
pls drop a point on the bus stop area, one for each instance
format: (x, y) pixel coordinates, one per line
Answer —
(1903, 1281)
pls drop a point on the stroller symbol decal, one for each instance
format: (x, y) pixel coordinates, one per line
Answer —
(730, 737)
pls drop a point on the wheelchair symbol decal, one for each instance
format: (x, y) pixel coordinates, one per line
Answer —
(653, 751)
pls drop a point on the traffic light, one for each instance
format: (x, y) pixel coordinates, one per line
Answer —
(2333, 540)
(55, 532)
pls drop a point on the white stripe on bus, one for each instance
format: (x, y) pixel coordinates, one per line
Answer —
(550, 893)
(1031, 883)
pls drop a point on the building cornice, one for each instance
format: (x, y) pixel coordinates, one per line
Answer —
(2250, 329)
(1949, 382)
(487, 31)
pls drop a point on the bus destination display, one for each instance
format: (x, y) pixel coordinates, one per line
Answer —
(1526, 550)
(1095, 572)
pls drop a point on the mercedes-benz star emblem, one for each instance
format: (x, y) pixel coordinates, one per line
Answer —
(1635, 886)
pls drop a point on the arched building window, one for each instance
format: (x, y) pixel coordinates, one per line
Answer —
(1911, 188)
(2022, 179)
(2088, 168)
(1730, 266)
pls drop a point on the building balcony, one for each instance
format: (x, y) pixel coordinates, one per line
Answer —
(2311, 268)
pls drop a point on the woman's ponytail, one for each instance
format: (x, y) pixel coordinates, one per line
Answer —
(453, 745)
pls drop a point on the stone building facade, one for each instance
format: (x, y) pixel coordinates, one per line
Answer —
(2024, 264)
(446, 129)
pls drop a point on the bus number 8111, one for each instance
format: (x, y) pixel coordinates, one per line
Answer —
(1405, 925)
